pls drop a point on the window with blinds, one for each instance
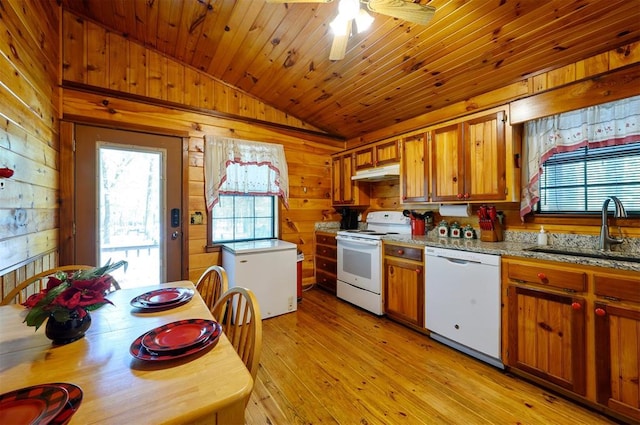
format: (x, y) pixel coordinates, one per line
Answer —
(580, 181)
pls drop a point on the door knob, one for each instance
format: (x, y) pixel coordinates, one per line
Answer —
(174, 235)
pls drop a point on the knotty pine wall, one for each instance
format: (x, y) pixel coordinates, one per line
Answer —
(29, 138)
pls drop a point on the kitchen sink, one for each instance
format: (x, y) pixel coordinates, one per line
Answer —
(577, 252)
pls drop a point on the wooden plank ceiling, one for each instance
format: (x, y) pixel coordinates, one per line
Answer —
(395, 71)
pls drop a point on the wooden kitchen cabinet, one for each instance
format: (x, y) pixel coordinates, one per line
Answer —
(404, 284)
(377, 154)
(617, 343)
(414, 171)
(575, 328)
(326, 261)
(344, 190)
(469, 160)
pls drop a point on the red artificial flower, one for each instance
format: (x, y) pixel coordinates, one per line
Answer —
(34, 299)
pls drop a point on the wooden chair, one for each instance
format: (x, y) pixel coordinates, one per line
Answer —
(38, 282)
(239, 314)
(212, 284)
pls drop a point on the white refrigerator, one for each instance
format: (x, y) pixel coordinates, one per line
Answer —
(266, 267)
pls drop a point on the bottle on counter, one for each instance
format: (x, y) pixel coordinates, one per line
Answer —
(542, 236)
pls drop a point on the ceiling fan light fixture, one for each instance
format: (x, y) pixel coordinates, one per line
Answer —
(339, 26)
(363, 21)
(348, 9)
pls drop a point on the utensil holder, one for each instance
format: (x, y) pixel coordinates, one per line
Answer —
(492, 235)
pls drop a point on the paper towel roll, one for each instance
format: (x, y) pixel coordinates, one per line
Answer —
(456, 210)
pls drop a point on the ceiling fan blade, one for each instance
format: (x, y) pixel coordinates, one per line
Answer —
(298, 1)
(407, 11)
(339, 45)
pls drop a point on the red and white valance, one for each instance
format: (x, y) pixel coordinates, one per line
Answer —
(242, 167)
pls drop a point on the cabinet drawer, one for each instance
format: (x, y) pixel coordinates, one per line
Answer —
(326, 239)
(622, 288)
(327, 251)
(326, 265)
(326, 280)
(548, 276)
(406, 252)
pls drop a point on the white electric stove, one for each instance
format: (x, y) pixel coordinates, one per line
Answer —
(360, 259)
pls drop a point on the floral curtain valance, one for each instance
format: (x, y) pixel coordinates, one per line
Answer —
(242, 167)
(609, 124)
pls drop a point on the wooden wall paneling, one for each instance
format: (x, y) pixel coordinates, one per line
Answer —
(615, 85)
(175, 81)
(118, 57)
(97, 59)
(137, 69)
(156, 72)
(73, 68)
(624, 56)
(191, 87)
(561, 76)
(220, 100)
(28, 247)
(207, 92)
(594, 65)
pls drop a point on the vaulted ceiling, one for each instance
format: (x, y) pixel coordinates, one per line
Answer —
(394, 71)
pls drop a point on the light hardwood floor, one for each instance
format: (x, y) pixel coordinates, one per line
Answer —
(332, 363)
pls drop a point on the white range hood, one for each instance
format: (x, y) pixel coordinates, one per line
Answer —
(386, 172)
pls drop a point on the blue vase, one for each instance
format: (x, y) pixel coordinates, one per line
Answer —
(71, 330)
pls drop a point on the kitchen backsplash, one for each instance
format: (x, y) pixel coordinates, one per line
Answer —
(570, 240)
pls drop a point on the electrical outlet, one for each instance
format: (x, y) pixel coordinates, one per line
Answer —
(290, 303)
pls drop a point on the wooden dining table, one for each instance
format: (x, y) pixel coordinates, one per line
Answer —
(211, 386)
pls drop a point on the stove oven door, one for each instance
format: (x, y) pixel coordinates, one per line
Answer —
(359, 263)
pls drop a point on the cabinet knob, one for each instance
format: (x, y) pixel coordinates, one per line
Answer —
(600, 312)
(576, 306)
(466, 196)
(459, 196)
(417, 270)
(401, 252)
(542, 276)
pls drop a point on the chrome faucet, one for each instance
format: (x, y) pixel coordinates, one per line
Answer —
(605, 239)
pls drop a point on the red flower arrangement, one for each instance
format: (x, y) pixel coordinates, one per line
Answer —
(66, 293)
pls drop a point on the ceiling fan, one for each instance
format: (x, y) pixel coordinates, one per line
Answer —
(349, 11)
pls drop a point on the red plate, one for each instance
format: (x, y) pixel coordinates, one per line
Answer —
(39, 404)
(162, 298)
(138, 351)
(178, 335)
(75, 398)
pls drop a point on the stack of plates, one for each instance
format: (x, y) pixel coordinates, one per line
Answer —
(162, 298)
(176, 339)
(46, 404)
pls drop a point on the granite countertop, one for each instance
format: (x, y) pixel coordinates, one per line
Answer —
(519, 249)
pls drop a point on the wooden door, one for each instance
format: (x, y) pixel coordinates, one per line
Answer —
(547, 336)
(404, 291)
(484, 155)
(617, 341)
(387, 153)
(447, 164)
(128, 203)
(415, 186)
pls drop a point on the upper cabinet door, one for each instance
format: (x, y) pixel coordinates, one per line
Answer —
(484, 145)
(414, 176)
(468, 160)
(447, 165)
(378, 154)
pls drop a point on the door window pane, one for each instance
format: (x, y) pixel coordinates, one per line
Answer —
(130, 210)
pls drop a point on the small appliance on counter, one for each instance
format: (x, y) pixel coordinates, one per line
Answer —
(349, 219)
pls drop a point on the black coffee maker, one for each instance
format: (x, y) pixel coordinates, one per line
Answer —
(349, 218)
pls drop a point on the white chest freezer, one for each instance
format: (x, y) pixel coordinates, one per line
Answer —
(266, 267)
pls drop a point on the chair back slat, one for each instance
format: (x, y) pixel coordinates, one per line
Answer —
(239, 314)
(212, 284)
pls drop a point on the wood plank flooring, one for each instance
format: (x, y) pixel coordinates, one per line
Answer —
(333, 363)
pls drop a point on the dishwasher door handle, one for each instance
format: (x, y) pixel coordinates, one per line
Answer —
(459, 261)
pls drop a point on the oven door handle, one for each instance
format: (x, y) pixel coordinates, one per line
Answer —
(358, 241)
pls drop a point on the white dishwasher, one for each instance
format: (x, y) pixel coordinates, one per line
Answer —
(462, 292)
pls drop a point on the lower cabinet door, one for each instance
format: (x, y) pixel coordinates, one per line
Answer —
(404, 292)
(617, 339)
(547, 336)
